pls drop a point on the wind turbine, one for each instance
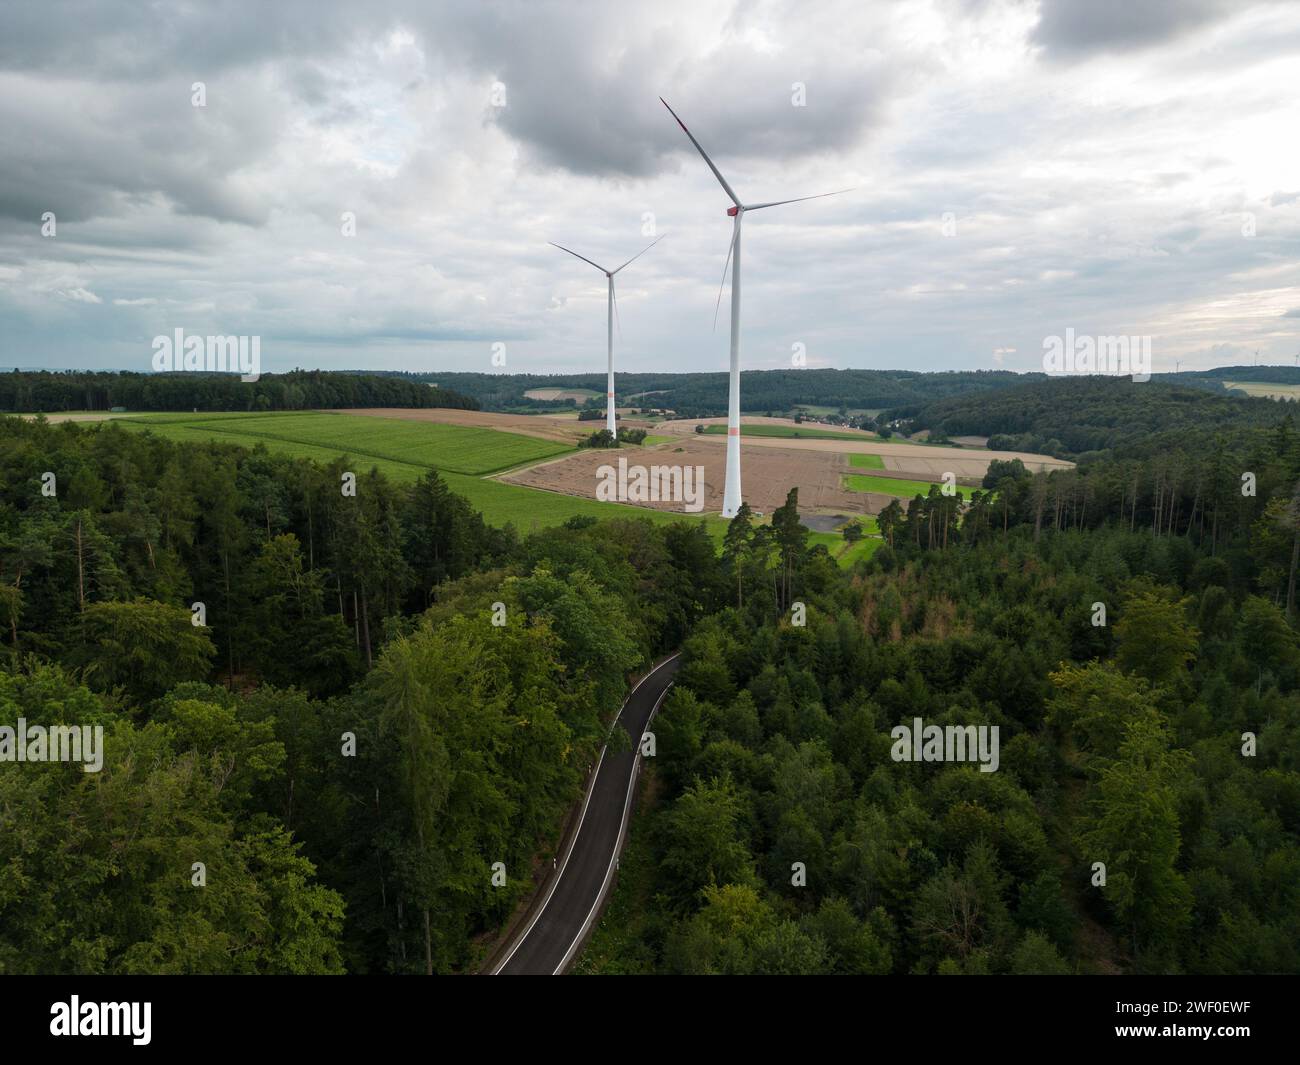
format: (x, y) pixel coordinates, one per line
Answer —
(731, 498)
(612, 300)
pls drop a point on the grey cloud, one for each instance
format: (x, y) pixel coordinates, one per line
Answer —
(83, 151)
(583, 85)
(1075, 28)
(128, 40)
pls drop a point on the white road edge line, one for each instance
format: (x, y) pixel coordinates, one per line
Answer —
(563, 865)
(618, 843)
(573, 842)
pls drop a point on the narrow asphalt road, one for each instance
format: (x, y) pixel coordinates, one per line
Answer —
(550, 939)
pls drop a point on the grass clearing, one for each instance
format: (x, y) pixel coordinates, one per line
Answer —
(845, 553)
(892, 486)
(867, 462)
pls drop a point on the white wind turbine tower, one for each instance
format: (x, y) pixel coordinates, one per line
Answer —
(732, 498)
(610, 422)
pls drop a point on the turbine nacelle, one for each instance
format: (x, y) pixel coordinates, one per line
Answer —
(611, 423)
(732, 498)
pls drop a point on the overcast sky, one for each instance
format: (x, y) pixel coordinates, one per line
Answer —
(1101, 163)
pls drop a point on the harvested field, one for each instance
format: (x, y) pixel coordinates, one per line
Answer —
(1267, 389)
(769, 473)
(554, 395)
(918, 461)
(74, 416)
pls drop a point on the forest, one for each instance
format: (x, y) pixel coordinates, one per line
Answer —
(704, 394)
(1162, 742)
(348, 707)
(1087, 417)
(35, 391)
(332, 623)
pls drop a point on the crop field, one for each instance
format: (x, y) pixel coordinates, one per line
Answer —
(821, 411)
(403, 451)
(791, 432)
(867, 462)
(578, 395)
(892, 486)
(458, 449)
(1267, 389)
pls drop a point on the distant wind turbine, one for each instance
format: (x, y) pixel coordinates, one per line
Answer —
(732, 498)
(612, 300)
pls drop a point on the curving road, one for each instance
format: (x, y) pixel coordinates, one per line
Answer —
(556, 929)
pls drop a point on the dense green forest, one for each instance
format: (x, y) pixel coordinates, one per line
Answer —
(1085, 416)
(1123, 743)
(381, 696)
(327, 616)
(703, 394)
(40, 390)
(1020, 406)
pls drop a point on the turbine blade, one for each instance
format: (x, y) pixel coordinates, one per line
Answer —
(618, 322)
(577, 256)
(799, 199)
(718, 305)
(642, 252)
(716, 172)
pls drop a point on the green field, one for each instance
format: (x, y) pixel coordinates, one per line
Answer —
(822, 411)
(867, 462)
(891, 486)
(403, 451)
(847, 554)
(454, 448)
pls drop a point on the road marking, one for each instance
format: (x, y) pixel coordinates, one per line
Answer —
(558, 876)
(618, 843)
(573, 843)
